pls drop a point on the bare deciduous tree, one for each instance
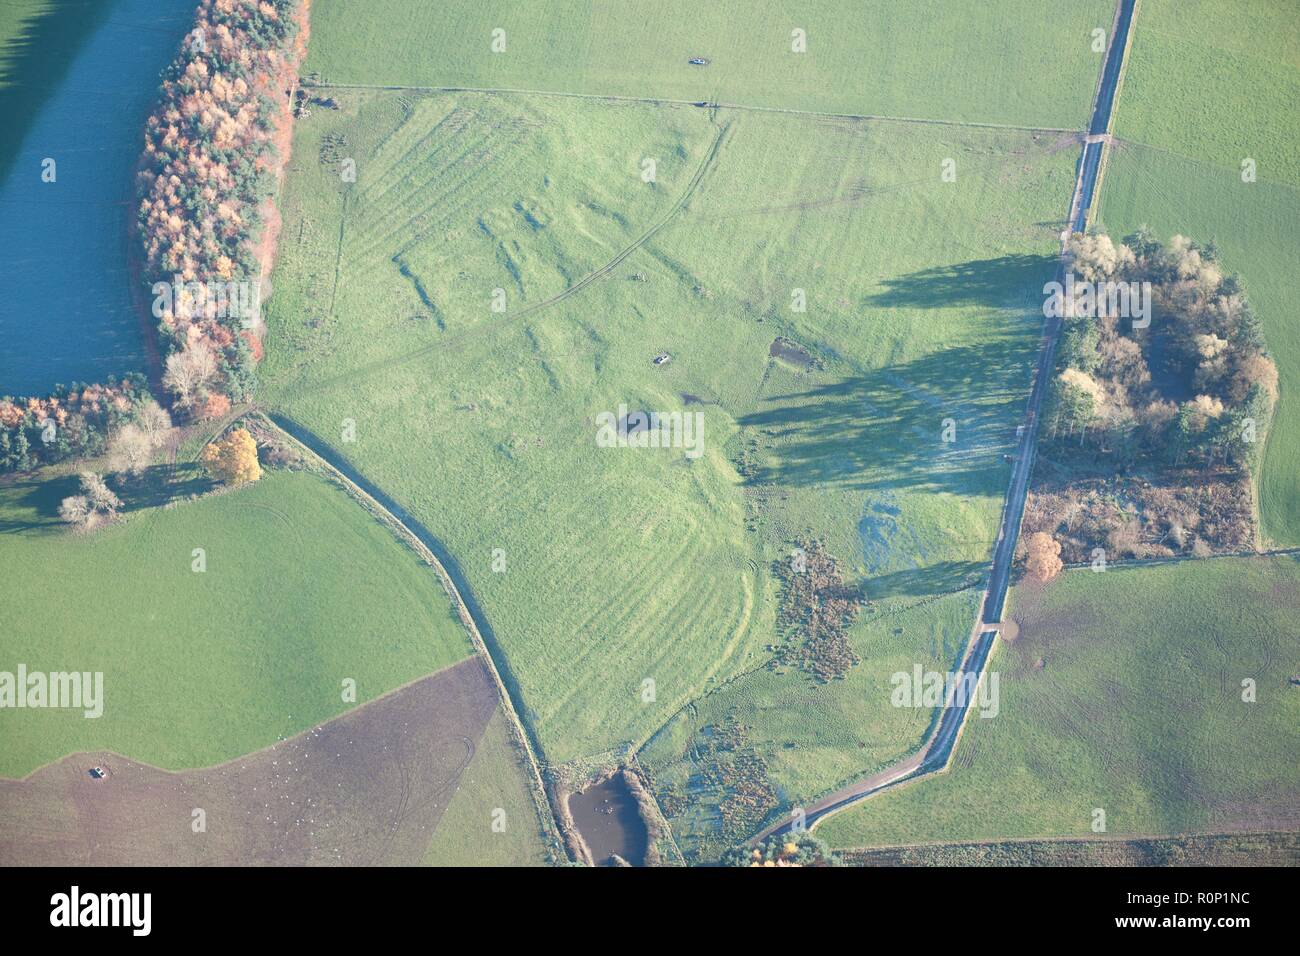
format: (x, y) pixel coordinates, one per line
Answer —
(190, 372)
(95, 502)
(154, 422)
(1096, 258)
(75, 509)
(98, 493)
(1044, 559)
(130, 449)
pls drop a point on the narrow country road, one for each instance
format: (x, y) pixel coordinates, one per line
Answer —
(936, 752)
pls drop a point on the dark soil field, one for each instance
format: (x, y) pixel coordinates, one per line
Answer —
(367, 788)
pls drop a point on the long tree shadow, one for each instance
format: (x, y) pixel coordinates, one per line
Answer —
(989, 282)
(942, 577)
(34, 501)
(161, 484)
(33, 63)
(885, 429)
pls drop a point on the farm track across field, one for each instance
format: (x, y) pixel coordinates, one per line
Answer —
(459, 340)
(666, 101)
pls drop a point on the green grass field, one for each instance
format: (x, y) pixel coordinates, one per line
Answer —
(1029, 63)
(1137, 710)
(1204, 90)
(492, 782)
(1217, 84)
(1235, 849)
(622, 566)
(302, 590)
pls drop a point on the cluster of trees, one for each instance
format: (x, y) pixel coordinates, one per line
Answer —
(75, 422)
(128, 451)
(1212, 393)
(209, 154)
(786, 849)
(209, 158)
(132, 445)
(193, 376)
(1194, 514)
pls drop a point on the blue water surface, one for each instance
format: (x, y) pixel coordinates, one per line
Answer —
(66, 312)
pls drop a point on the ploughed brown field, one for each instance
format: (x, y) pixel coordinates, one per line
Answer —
(366, 788)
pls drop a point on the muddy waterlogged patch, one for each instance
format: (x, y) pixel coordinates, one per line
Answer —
(791, 352)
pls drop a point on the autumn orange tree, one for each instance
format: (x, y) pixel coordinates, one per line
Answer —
(1044, 560)
(233, 459)
(217, 406)
(210, 150)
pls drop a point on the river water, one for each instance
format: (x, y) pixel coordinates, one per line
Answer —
(66, 311)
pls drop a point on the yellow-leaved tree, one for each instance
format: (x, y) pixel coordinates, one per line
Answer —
(233, 459)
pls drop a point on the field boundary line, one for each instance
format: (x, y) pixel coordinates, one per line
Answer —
(252, 753)
(538, 788)
(671, 101)
(1184, 558)
(1107, 838)
(1122, 143)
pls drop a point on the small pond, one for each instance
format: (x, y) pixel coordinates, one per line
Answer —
(788, 351)
(607, 817)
